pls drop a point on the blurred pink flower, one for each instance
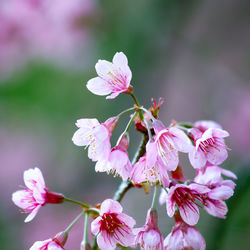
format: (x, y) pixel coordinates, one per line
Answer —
(43, 28)
(113, 78)
(149, 236)
(209, 147)
(112, 226)
(35, 195)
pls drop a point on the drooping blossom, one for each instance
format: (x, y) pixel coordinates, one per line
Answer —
(167, 143)
(96, 136)
(117, 161)
(187, 199)
(149, 236)
(113, 227)
(56, 243)
(208, 147)
(184, 236)
(35, 195)
(220, 190)
(113, 77)
(149, 168)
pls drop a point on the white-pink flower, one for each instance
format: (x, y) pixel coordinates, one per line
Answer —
(118, 161)
(144, 172)
(149, 236)
(35, 195)
(220, 190)
(49, 244)
(96, 136)
(56, 243)
(113, 227)
(113, 77)
(168, 142)
(184, 236)
(209, 147)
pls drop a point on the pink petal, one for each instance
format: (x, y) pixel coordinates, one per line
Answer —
(228, 173)
(82, 137)
(216, 208)
(194, 239)
(199, 188)
(39, 244)
(180, 139)
(220, 133)
(54, 246)
(87, 123)
(163, 197)
(129, 221)
(32, 214)
(20, 199)
(114, 95)
(121, 63)
(95, 225)
(105, 241)
(98, 86)
(151, 154)
(217, 156)
(110, 206)
(152, 238)
(103, 69)
(32, 177)
(189, 214)
(197, 159)
(221, 193)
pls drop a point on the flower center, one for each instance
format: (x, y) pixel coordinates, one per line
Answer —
(110, 222)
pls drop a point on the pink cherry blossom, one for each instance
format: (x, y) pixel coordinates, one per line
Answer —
(203, 125)
(56, 243)
(168, 142)
(143, 171)
(112, 226)
(184, 236)
(149, 236)
(117, 161)
(35, 195)
(209, 147)
(220, 190)
(46, 245)
(187, 199)
(112, 77)
(95, 135)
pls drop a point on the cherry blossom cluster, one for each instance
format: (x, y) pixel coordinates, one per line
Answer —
(156, 164)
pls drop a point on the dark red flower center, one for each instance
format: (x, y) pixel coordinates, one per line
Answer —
(110, 222)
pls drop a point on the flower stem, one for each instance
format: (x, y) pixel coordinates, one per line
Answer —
(86, 223)
(153, 206)
(76, 202)
(138, 105)
(126, 111)
(74, 222)
(130, 122)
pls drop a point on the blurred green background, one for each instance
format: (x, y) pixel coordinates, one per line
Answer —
(193, 53)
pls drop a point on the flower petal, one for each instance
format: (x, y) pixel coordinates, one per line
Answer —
(98, 86)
